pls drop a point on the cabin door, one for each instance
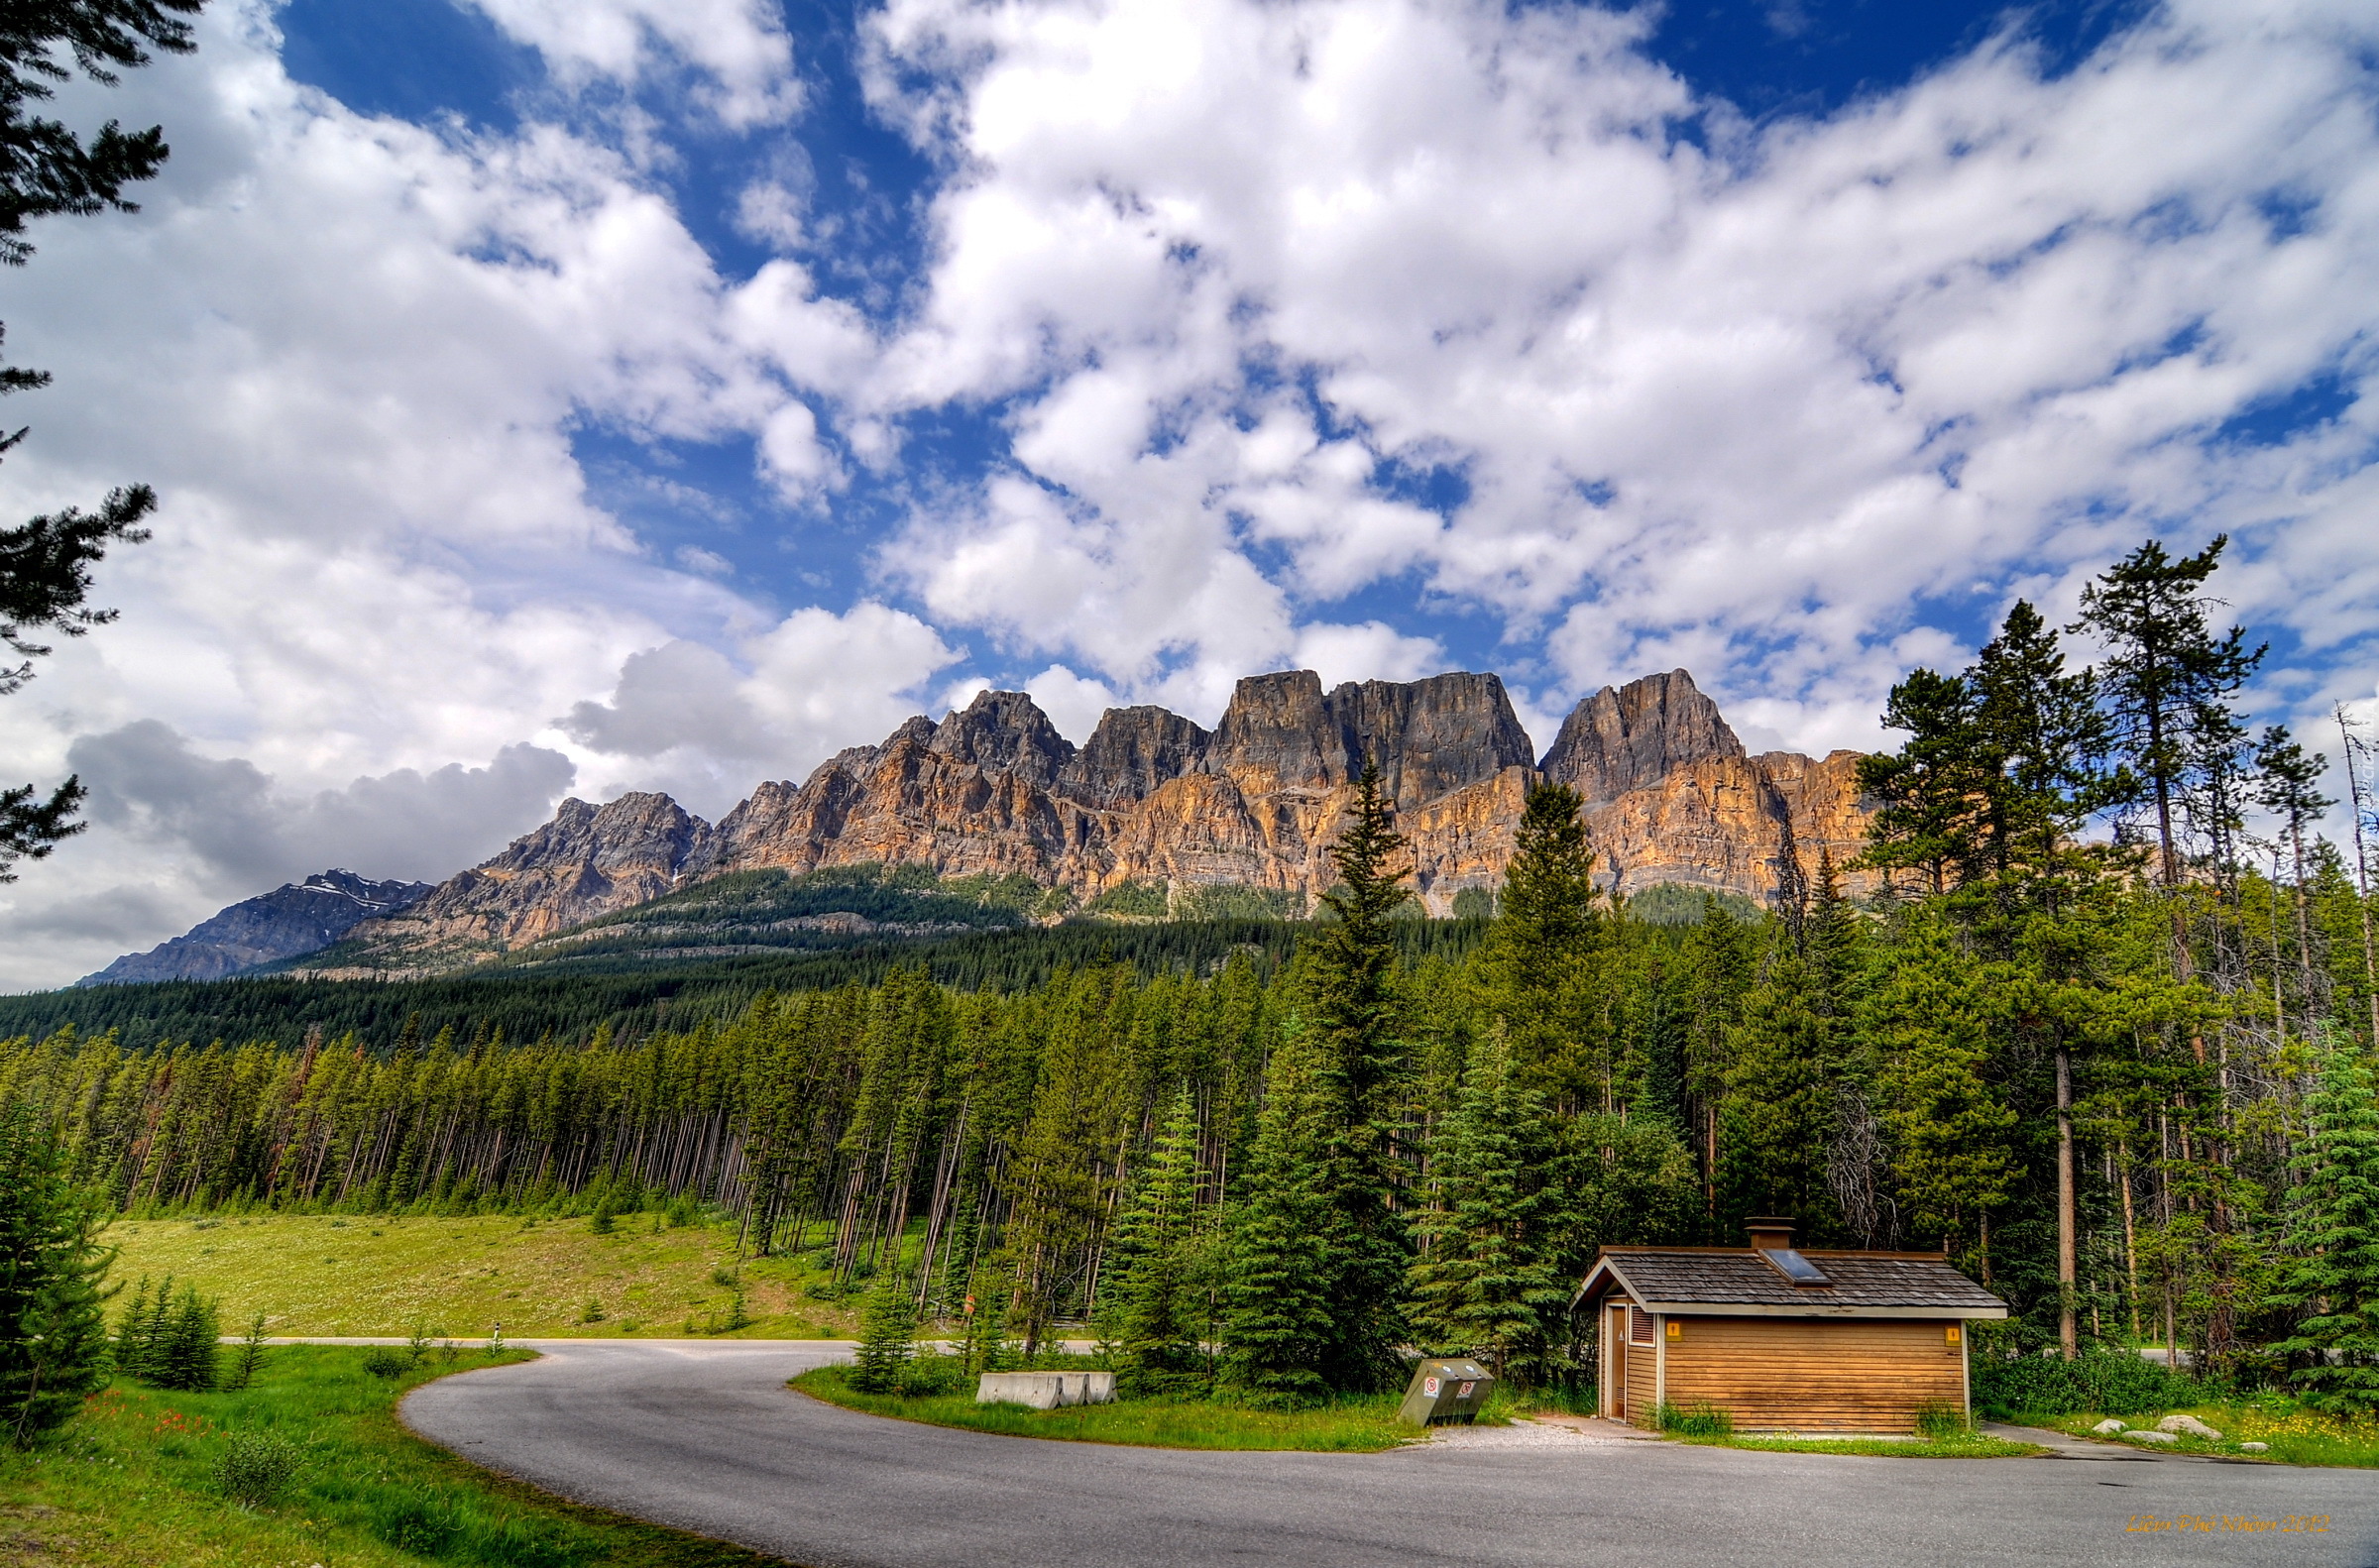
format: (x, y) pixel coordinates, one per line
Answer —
(1615, 1358)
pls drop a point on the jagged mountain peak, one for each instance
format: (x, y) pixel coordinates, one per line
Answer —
(1006, 730)
(1626, 737)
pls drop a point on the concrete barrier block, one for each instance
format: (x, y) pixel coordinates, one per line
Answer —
(1044, 1390)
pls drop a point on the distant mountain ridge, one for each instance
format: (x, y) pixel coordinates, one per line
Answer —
(991, 816)
(1154, 813)
(294, 919)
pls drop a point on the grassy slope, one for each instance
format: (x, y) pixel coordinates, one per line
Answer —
(381, 1275)
(132, 1480)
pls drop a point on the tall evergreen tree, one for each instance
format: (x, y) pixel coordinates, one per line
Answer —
(2289, 783)
(2165, 671)
(1282, 1343)
(1485, 1282)
(53, 1335)
(1160, 1321)
(2333, 1233)
(1929, 792)
(1539, 961)
(1360, 1049)
(1928, 1022)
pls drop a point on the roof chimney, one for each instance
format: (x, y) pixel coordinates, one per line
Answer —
(1770, 1234)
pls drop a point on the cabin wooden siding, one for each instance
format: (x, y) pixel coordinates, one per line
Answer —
(1812, 1375)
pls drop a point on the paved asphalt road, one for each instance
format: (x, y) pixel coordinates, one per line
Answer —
(704, 1436)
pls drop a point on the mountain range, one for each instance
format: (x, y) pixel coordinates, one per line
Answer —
(992, 816)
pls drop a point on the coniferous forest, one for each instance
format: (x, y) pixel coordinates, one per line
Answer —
(2104, 1034)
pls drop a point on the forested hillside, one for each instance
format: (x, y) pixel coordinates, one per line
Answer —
(2123, 1078)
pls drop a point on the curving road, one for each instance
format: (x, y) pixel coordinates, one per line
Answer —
(704, 1436)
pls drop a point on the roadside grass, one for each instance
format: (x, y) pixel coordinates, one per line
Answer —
(377, 1274)
(2297, 1435)
(135, 1480)
(1360, 1425)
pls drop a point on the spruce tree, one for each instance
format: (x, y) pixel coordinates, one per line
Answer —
(1158, 1322)
(1779, 1115)
(888, 1335)
(1485, 1282)
(185, 1355)
(2333, 1233)
(1359, 1054)
(1927, 1024)
(1539, 961)
(53, 1335)
(1282, 1341)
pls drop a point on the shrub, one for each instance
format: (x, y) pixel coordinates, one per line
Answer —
(1940, 1418)
(385, 1361)
(2102, 1382)
(255, 1468)
(1693, 1421)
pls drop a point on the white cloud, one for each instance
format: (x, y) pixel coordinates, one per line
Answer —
(740, 46)
(1747, 407)
(706, 728)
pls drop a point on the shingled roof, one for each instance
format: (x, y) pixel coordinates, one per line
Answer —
(1711, 1280)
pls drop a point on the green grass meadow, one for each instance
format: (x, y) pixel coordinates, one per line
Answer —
(134, 1481)
(315, 1276)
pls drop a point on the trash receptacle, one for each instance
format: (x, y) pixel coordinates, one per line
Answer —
(1445, 1389)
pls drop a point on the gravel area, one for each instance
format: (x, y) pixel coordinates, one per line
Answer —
(1522, 1433)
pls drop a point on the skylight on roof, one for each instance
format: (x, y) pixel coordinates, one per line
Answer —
(1795, 1266)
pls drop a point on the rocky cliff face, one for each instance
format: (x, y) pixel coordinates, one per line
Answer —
(1153, 798)
(1637, 736)
(294, 919)
(588, 861)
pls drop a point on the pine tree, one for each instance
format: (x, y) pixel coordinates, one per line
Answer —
(1158, 1322)
(185, 1356)
(53, 1335)
(1928, 792)
(1779, 1119)
(888, 1335)
(1485, 1282)
(1927, 1023)
(252, 1354)
(1282, 1341)
(1538, 964)
(2165, 669)
(1359, 1054)
(2333, 1232)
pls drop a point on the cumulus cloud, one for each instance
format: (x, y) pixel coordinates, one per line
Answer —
(814, 683)
(148, 782)
(738, 46)
(1249, 275)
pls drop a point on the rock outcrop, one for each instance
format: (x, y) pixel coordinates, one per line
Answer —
(1155, 798)
(1637, 736)
(590, 861)
(294, 919)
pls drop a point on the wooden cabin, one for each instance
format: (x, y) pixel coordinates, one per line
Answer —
(1782, 1340)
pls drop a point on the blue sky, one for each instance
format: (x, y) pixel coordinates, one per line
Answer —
(590, 395)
